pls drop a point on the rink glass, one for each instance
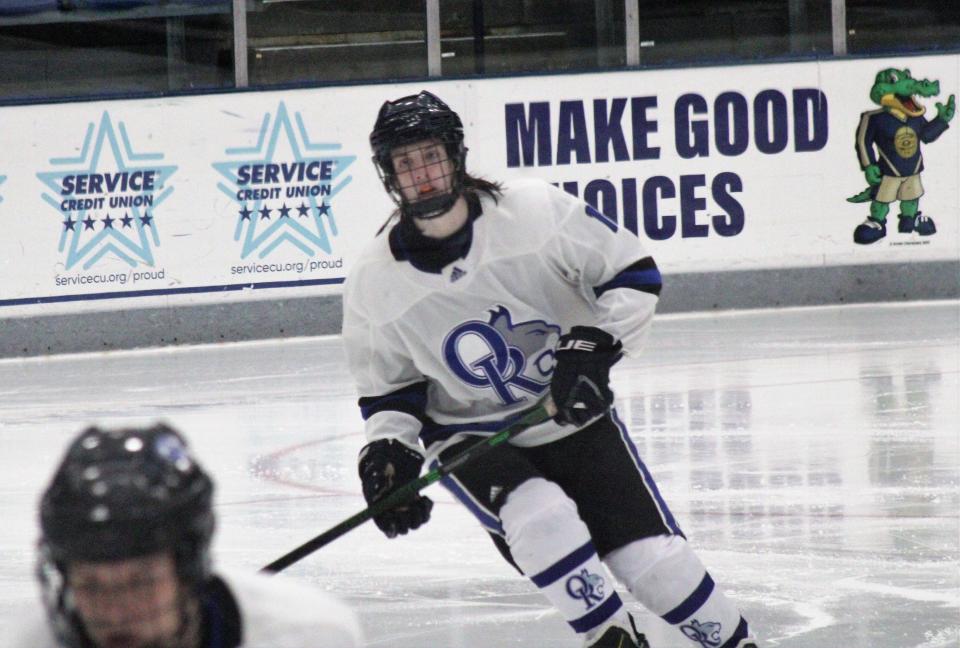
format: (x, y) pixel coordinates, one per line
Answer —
(54, 49)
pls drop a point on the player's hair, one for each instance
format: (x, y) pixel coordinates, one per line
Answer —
(471, 185)
(121, 494)
(480, 185)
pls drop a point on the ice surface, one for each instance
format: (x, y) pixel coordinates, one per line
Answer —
(812, 456)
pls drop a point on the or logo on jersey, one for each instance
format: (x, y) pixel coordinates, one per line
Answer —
(495, 492)
(456, 274)
(706, 634)
(587, 587)
(511, 359)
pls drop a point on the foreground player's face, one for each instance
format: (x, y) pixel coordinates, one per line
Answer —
(423, 170)
(129, 603)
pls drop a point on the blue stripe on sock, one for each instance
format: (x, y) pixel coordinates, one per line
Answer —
(739, 634)
(693, 602)
(598, 616)
(565, 565)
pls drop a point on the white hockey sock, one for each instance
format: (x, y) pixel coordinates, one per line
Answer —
(665, 575)
(552, 546)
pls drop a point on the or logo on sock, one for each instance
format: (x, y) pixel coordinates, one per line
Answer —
(706, 634)
(587, 587)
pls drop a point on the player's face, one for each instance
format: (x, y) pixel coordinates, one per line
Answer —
(423, 170)
(129, 603)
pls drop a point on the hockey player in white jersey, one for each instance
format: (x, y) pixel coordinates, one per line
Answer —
(125, 560)
(477, 302)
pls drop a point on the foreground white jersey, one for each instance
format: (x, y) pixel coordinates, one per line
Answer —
(437, 355)
(274, 612)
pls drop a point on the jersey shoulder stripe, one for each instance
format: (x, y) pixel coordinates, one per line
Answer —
(642, 275)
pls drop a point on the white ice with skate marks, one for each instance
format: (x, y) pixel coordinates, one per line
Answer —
(811, 456)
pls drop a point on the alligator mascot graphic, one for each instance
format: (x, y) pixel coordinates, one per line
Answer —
(888, 145)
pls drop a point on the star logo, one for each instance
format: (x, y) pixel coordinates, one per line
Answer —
(283, 172)
(107, 173)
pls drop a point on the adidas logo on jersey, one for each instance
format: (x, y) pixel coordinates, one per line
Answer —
(456, 273)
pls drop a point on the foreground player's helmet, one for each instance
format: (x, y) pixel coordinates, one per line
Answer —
(416, 118)
(121, 494)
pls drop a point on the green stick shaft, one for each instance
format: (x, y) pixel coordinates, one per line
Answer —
(535, 416)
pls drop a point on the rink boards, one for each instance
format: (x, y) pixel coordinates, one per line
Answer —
(726, 173)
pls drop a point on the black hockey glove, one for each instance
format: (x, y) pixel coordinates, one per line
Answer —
(580, 386)
(384, 466)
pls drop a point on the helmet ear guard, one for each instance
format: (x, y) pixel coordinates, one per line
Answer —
(58, 601)
(423, 117)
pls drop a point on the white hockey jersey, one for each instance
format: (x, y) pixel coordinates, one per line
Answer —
(275, 612)
(439, 355)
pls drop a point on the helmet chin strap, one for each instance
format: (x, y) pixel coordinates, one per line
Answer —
(430, 208)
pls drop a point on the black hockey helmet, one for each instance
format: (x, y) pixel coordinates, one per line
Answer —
(411, 119)
(122, 494)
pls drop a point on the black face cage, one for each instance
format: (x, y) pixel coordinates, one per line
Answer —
(60, 606)
(409, 120)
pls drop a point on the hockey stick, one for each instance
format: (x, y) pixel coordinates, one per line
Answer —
(535, 416)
